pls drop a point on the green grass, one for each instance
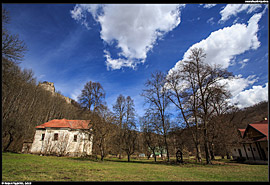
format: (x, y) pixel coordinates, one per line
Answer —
(27, 167)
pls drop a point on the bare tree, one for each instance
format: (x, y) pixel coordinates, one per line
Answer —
(13, 48)
(124, 112)
(179, 96)
(129, 144)
(203, 81)
(119, 109)
(221, 128)
(129, 136)
(149, 133)
(92, 95)
(130, 114)
(155, 95)
(103, 131)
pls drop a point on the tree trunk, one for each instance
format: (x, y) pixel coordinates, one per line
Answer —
(198, 154)
(167, 148)
(10, 141)
(148, 156)
(120, 141)
(206, 148)
(154, 154)
(197, 143)
(212, 151)
(101, 154)
(228, 155)
(128, 157)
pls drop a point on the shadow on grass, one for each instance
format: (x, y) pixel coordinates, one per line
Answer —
(92, 159)
(139, 161)
(136, 161)
(186, 163)
(172, 161)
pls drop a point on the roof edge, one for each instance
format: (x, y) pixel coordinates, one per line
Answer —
(249, 125)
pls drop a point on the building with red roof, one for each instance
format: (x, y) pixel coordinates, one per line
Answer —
(64, 123)
(253, 143)
(63, 137)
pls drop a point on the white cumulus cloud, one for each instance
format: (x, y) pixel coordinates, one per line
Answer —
(79, 13)
(233, 9)
(222, 45)
(133, 28)
(251, 96)
(237, 84)
(209, 5)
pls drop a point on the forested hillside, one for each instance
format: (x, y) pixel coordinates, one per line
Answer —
(24, 104)
(223, 132)
(251, 114)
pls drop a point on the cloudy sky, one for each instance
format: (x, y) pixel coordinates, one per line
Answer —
(120, 46)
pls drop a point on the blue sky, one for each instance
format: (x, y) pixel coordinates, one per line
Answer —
(120, 46)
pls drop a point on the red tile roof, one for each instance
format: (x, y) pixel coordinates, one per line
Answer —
(261, 127)
(64, 123)
(242, 131)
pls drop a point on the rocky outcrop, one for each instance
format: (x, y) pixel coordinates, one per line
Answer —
(68, 100)
(49, 86)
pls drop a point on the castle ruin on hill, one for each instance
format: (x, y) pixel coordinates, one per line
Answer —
(49, 86)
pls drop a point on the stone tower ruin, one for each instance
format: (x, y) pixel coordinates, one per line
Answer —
(49, 86)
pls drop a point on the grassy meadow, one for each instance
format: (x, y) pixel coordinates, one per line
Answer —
(27, 167)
